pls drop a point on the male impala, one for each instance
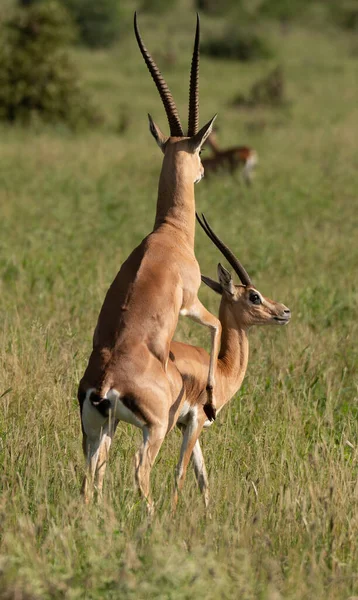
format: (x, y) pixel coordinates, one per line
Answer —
(230, 159)
(127, 373)
(241, 307)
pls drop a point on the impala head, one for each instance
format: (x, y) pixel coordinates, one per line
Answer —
(179, 148)
(247, 305)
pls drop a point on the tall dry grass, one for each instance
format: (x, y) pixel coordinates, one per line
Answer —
(282, 458)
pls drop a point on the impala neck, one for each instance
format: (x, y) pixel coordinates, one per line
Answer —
(233, 356)
(176, 200)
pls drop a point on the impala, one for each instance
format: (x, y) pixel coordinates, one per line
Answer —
(128, 376)
(230, 159)
(241, 307)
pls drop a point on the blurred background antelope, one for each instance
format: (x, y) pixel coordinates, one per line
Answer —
(229, 160)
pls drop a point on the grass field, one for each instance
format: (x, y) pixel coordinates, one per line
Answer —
(282, 457)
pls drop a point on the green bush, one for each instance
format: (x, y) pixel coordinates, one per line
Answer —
(98, 21)
(158, 6)
(283, 10)
(266, 91)
(237, 44)
(345, 14)
(217, 6)
(37, 78)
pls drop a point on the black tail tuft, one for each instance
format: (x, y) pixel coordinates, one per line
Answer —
(103, 405)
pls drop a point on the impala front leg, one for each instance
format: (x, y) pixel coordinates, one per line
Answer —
(198, 313)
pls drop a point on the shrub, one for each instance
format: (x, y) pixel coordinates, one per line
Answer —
(237, 44)
(217, 6)
(345, 14)
(267, 91)
(98, 21)
(158, 6)
(37, 78)
(270, 89)
(283, 10)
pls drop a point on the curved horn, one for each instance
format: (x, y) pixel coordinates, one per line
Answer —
(193, 121)
(164, 92)
(234, 262)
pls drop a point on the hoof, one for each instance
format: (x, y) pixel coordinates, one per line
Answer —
(210, 411)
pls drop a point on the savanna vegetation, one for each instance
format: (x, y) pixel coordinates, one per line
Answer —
(282, 456)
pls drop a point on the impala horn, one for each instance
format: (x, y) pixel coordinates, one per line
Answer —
(231, 258)
(193, 119)
(171, 110)
(176, 129)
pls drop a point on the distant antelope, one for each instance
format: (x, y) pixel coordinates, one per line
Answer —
(241, 307)
(127, 377)
(230, 159)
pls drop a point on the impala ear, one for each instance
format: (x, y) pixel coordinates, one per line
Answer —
(200, 138)
(226, 280)
(159, 137)
(214, 285)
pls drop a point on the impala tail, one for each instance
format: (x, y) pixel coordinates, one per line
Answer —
(103, 405)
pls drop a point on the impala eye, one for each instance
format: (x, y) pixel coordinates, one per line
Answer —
(255, 298)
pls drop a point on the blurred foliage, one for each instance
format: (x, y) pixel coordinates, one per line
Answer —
(26, 3)
(270, 8)
(98, 22)
(158, 6)
(237, 44)
(283, 10)
(345, 14)
(266, 91)
(213, 6)
(37, 78)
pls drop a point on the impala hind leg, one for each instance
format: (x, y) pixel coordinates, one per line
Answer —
(102, 464)
(200, 472)
(103, 456)
(198, 313)
(96, 451)
(97, 434)
(153, 437)
(190, 436)
(92, 447)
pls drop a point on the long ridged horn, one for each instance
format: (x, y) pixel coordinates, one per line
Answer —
(176, 129)
(234, 262)
(193, 120)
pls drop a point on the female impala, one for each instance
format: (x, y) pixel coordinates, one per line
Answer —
(241, 307)
(127, 373)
